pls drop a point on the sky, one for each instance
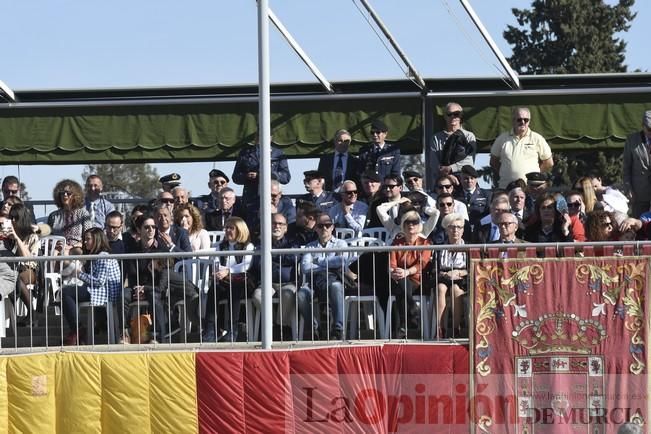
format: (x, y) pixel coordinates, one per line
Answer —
(79, 44)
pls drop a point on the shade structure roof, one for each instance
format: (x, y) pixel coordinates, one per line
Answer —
(213, 122)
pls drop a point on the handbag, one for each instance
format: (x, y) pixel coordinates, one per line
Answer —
(140, 325)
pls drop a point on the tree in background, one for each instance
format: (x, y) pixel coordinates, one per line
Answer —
(135, 180)
(573, 37)
(569, 37)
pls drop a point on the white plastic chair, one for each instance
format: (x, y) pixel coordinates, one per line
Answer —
(197, 271)
(379, 233)
(216, 237)
(344, 233)
(50, 274)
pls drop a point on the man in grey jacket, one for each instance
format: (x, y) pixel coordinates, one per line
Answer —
(637, 166)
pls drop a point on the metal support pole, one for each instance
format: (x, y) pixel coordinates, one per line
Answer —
(7, 92)
(387, 34)
(489, 40)
(264, 134)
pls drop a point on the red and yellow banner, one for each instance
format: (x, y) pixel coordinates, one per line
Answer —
(559, 346)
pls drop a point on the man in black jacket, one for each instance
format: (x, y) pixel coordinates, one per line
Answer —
(340, 165)
(380, 157)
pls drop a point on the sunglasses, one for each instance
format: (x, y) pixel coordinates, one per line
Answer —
(547, 206)
(411, 180)
(278, 224)
(607, 224)
(444, 186)
(350, 192)
(147, 227)
(11, 192)
(412, 222)
(65, 193)
(167, 200)
(455, 114)
(390, 186)
(324, 225)
(446, 203)
(522, 120)
(220, 182)
(376, 132)
(574, 204)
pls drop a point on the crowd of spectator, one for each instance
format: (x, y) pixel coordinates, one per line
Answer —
(354, 192)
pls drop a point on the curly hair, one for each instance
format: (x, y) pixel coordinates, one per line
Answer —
(594, 228)
(194, 213)
(77, 197)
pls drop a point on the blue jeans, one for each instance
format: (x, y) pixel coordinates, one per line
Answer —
(70, 295)
(327, 286)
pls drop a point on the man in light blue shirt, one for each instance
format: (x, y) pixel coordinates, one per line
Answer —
(96, 205)
(323, 274)
(349, 213)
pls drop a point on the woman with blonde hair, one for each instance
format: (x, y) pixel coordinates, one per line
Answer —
(231, 280)
(188, 217)
(406, 268)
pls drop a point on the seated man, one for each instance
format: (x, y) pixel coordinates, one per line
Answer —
(323, 275)
(171, 236)
(113, 228)
(303, 231)
(349, 213)
(283, 275)
(229, 206)
(314, 183)
(282, 204)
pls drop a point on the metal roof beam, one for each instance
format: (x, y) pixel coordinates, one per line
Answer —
(6, 92)
(491, 43)
(413, 74)
(297, 48)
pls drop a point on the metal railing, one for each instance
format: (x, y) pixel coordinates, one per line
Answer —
(173, 299)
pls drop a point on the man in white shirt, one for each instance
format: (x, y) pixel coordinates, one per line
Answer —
(520, 151)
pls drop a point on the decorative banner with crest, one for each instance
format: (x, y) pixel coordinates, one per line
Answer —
(559, 346)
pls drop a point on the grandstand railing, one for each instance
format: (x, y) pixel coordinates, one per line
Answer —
(183, 313)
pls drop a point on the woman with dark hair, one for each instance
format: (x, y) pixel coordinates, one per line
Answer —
(601, 226)
(231, 279)
(102, 282)
(551, 226)
(9, 202)
(188, 217)
(71, 219)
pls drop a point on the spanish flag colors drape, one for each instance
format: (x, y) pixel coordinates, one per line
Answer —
(379, 388)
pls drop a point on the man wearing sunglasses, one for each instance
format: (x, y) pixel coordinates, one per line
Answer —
(451, 148)
(520, 151)
(323, 276)
(349, 213)
(340, 165)
(314, 182)
(381, 157)
(637, 166)
(216, 181)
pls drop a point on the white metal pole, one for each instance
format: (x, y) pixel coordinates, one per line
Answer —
(489, 40)
(264, 135)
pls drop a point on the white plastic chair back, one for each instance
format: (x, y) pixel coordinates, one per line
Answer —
(196, 270)
(216, 237)
(379, 233)
(344, 233)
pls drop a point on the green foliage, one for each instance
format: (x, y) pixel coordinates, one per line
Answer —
(570, 166)
(569, 37)
(135, 180)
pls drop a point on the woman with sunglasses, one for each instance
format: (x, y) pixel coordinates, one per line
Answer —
(551, 226)
(71, 219)
(452, 277)
(406, 268)
(574, 201)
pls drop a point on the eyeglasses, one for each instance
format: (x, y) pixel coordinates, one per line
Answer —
(446, 203)
(376, 132)
(347, 141)
(65, 193)
(167, 201)
(412, 222)
(522, 120)
(350, 192)
(148, 227)
(454, 114)
(278, 224)
(574, 204)
(324, 225)
(506, 223)
(444, 186)
(390, 186)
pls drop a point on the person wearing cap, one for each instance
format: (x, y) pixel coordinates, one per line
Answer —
(414, 181)
(208, 203)
(520, 151)
(451, 148)
(314, 182)
(282, 204)
(341, 164)
(446, 184)
(475, 198)
(168, 182)
(637, 166)
(165, 199)
(380, 157)
(370, 187)
(247, 169)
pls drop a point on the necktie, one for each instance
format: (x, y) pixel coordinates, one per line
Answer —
(339, 171)
(468, 196)
(93, 207)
